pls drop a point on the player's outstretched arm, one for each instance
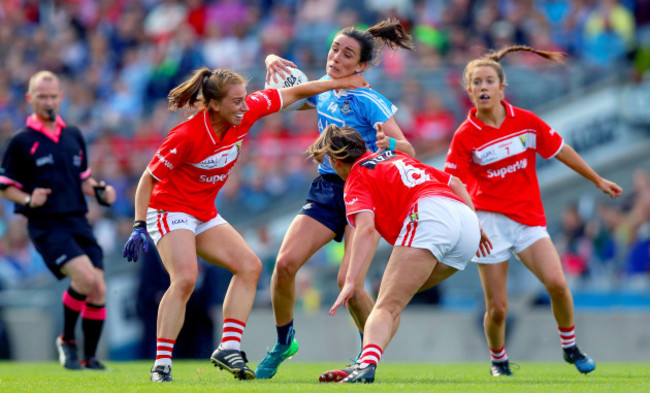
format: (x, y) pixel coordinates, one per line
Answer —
(569, 157)
(362, 251)
(312, 88)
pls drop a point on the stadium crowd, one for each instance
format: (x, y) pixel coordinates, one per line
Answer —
(120, 58)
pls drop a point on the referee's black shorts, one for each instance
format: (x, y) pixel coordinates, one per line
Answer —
(63, 240)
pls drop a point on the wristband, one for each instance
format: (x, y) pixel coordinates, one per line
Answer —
(391, 143)
(28, 200)
(139, 224)
(99, 195)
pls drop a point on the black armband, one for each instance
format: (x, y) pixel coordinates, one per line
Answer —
(140, 224)
(99, 195)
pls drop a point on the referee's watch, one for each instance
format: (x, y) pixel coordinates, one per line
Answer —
(28, 200)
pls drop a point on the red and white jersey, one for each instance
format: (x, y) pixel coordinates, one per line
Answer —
(388, 183)
(192, 164)
(498, 165)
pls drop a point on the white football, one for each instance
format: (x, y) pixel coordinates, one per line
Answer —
(295, 78)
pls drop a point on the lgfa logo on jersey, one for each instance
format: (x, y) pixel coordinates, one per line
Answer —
(523, 140)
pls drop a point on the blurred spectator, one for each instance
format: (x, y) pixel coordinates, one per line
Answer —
(638, 220)
(161, 22)
(226, 14)
(574, 247)
(609, 33)
(20, 264)
(434, 126)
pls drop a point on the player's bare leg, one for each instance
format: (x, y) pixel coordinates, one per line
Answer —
(407, 270)
(543, 260)
(224, 246)
(304, 237)
(494, 278)
(177, 250)
(359, 306)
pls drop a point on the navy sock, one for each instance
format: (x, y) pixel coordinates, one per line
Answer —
(284, 333)
(361, 349)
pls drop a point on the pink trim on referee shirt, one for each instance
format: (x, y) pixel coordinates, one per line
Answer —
(9, 182)
(85, 174)
(34, 123)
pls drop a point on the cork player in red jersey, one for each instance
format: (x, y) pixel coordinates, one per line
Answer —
(426, 214)
(493, 152)
(175, 204)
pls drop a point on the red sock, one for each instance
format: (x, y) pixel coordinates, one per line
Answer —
(164, 348)
(232, 332)
(498, 355)
(370, 354)
(567, 336)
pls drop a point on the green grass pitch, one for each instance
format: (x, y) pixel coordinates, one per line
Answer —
(201, 376)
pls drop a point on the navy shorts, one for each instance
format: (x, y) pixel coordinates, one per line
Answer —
(325, 204)
(62, 243)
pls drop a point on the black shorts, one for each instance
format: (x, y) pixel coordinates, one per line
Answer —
(325, 204)
(64, 241)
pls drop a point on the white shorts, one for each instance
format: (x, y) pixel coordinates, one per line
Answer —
(161, 222)
(444, 226)
(507, 236)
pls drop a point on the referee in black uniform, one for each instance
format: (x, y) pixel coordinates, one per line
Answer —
(45, 172)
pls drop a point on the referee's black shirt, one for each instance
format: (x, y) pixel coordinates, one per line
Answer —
(34, 159)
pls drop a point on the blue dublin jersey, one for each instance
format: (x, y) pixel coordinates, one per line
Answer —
(360, 109)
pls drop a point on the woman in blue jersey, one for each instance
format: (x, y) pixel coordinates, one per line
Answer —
(323, 218)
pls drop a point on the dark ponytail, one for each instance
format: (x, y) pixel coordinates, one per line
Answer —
(390, 32)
